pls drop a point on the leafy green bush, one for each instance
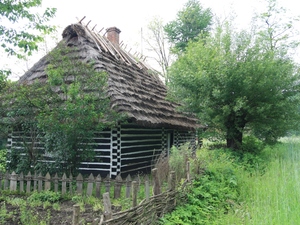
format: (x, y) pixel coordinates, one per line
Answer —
(45, 196)
(252, 144)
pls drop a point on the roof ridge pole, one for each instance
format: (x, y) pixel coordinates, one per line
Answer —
(81, 19)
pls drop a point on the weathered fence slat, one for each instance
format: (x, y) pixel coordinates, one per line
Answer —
(35, 180)
(47, 182)
(28, 182)
(21, 179)
(118, 186)
(107, 206)
(98, 186)
(55, 179)
(40, 182)
(70, 183)
(156, 184)
(13, 181)
(90, 185)
(64, 184)
(79, 183)
(134, 193)
(128, 186)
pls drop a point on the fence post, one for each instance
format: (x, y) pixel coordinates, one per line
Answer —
(79, 183)
(70, 184)
(76, 213)
(98, 186)
(35, 180)
(134, 193)
(47, 182)
(55, 178)
(128, 186)
(107, 206)
(118, 187)
(40, 182)
(188, 172)
(21, 179)
(156, 185)
(13, 181)
(90, 185)
(64, 184)
(28, 182)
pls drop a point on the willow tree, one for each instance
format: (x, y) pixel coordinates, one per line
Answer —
(235, 85)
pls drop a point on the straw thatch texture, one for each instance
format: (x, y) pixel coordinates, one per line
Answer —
(133, 87)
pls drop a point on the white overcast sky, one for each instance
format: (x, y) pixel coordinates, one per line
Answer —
(132, 15)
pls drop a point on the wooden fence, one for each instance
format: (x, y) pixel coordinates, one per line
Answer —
(147, 211)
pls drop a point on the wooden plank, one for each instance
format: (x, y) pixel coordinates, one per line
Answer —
(98, 186)
(107, 206)
(79, 184)
(28, 181)
(118, 187)
(90, 185)
(13, 181)
(64, 184)
(21, 179)
(47, 182)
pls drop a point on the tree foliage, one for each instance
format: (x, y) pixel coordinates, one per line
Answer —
(275, 28)
(192, 20)
(21, 28)
(236, 86)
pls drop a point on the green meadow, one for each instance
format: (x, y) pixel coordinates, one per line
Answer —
(244, 189)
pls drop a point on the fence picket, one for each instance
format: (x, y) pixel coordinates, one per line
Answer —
(47, 182)
(150, 208)
(79, 183)
(21, 179)
(28, 182)
(98, 186)
(118, 187)
(90, 185)
(40, 182)
(64, 184)
(128, 186)
(55, 179)
(13, 181)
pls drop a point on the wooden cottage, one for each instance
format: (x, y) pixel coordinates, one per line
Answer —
(153, 124)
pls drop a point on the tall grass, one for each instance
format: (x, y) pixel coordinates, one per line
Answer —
(274, 197)
(244, 189)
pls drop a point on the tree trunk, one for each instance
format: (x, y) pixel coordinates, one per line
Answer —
(234, 140)
(234, 135)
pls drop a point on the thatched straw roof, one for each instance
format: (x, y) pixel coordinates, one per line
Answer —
(134, 88)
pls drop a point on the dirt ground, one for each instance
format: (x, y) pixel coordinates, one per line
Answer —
(47, 215)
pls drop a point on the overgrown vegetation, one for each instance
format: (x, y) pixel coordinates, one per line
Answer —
(260, 187)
